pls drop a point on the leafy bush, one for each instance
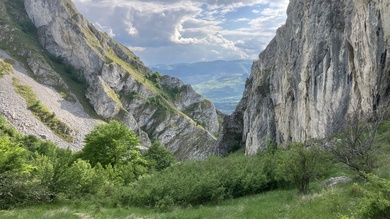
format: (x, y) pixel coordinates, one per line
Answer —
(159, 157)
(376, 200)
(154, 77)
(300, 165)
(111, 144)
(17, 186)
(356, 144)
(75, 75)
(21, 190)
(197, 182)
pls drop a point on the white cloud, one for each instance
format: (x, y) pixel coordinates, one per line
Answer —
(168, 31)
(105, 29)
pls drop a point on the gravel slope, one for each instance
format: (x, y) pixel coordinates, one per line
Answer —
(13, 107)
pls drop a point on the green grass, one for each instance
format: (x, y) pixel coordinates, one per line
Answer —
(39, 110)
(327, 203)
(5, 68)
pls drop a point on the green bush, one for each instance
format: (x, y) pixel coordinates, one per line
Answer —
(300, 165)
(74, 74)
(159, 157)
(198, 182)
(111, 143)
(21, 190)
(376, 199)
(18, 187)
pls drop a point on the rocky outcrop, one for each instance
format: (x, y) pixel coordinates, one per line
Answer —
(335, 181)
(191, 103)
(13, 107)
(330, 59)
(119, 87)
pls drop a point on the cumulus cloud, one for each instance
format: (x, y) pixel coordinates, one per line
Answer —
(169, 31)
(105, 29)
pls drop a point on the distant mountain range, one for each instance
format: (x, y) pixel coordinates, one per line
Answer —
(221, 81)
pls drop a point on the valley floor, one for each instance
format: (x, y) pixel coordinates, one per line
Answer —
(332, 202)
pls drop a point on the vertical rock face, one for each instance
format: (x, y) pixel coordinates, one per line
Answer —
(331, 58)
(121, 87)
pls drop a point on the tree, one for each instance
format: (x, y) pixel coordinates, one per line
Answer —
(355, 144)
(111, 143)
(12, 156)
(300, 165)
(17, 187)
(159, 156)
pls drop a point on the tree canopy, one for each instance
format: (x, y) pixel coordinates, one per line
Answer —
(111, 143)
(159, 156)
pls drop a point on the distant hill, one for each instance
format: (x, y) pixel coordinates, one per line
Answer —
(220, 81)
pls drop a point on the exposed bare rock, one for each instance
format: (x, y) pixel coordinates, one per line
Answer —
(336, 180)
(329, 59)
(118, 84)
(191, 103)
(14, 108)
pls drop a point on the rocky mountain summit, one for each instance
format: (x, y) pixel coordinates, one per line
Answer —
(50, 37)
(329, 60)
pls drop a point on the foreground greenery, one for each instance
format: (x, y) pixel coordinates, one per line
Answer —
(110, 178)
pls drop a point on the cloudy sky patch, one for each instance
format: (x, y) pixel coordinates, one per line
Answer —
(176, 31)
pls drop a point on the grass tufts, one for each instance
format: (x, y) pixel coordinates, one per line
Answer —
(5, 67)
(60, 128)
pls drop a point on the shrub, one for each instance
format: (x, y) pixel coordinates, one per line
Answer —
(159, 157)
(198, 182)
(300, 165)
(376, 200)
(355, 145)
(17, 185)
(111, 143)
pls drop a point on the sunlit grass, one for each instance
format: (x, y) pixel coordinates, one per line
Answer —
(42, 112)
(327, 203)
(5, 68)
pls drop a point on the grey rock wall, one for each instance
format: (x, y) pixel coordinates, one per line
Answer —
(330, 59)
(118, 88)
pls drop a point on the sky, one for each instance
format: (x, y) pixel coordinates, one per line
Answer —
(187, 31)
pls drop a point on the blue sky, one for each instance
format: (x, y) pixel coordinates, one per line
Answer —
(184, 31)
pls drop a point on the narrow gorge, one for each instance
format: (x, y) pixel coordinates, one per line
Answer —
(329, 60)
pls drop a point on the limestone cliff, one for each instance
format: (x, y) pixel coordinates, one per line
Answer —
(330, 58)
(117, 84)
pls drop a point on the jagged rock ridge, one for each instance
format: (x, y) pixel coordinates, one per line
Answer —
(331, 58)
(119, 85)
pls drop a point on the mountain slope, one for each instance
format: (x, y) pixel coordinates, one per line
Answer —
(330, 59)
(63, 50)
(221, 81)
